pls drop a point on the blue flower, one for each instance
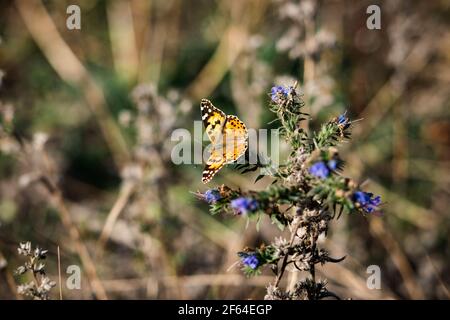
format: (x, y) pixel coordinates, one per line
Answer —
(332, 164)
(367, 201)
(244, 205)
(251, 260)
(279, 92)
(212, 196)
(343, 120)
(320, 170)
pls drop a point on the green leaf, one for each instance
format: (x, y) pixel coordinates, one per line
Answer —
(258, 222)
(277, 222)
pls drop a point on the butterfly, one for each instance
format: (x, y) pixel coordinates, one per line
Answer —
(228, 136)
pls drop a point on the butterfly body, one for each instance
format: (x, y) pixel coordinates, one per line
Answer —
(228, 136)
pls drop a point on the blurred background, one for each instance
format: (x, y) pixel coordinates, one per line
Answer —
(87, 115)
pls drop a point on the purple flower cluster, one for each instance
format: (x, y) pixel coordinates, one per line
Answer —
(322, 170)
(343, 121)
(251, 260)
(279, 92)
(244, 205)
(212, 196)
(367, 201)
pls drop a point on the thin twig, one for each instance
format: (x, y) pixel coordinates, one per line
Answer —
(74, 234)
(124, 195)
(9, 278)
(398, 257)
(232, 42)
(123, 39)
(417, 59)
(59, 274)
(438, 277)
(70, 69)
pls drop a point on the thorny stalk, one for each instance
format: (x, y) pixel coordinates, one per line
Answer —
(311, 185)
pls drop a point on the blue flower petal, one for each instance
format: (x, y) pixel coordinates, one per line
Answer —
(244, 205)
(277, 93)
(332, 164)
(320, 170)
(251, 261)
(366, 201)
(212, 196)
